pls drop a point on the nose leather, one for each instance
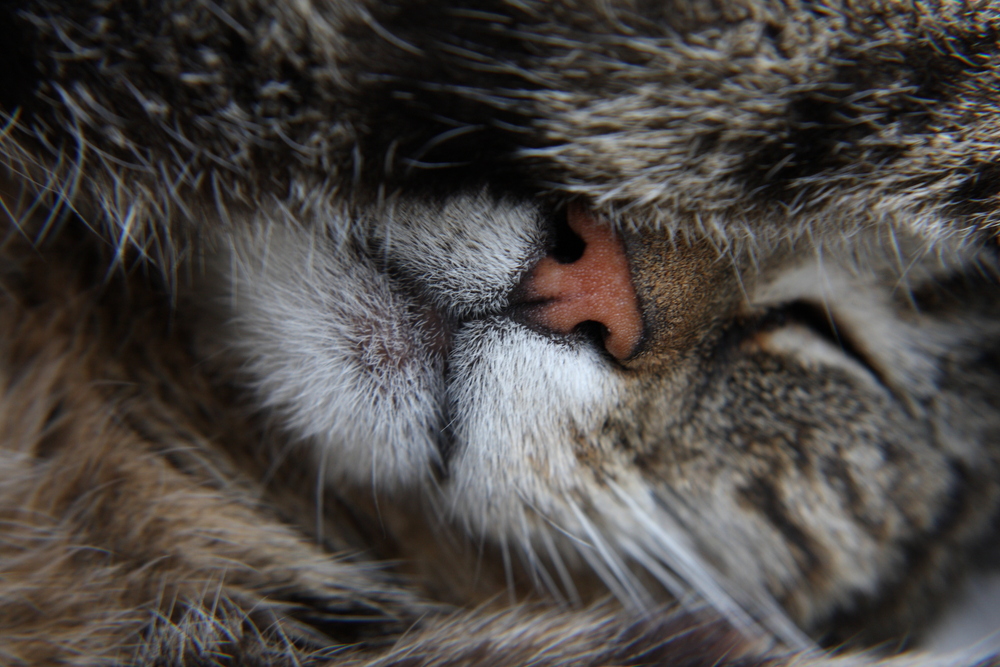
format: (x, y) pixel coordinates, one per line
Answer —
(597, 287)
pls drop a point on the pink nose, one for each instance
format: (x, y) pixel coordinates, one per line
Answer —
(595, 288)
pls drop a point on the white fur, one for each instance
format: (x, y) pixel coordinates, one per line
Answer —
(466, 255)
(333, 347)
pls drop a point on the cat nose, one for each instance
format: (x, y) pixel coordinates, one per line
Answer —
(596, 287)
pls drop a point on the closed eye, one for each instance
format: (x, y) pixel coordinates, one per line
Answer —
(820, 321)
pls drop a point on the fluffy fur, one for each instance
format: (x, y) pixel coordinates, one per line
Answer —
(272, 393)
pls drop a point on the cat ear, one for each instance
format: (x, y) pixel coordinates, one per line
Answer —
(596, 287)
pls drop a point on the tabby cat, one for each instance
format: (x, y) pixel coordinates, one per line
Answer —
(503, 332)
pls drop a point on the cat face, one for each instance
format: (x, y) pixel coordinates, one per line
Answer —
(801, 419)
(804, 411)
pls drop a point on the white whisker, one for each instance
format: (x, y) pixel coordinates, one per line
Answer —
(609, 566)
(508, 570)
(681, 558)
(674, 585)
(540, 576)
(561, 569)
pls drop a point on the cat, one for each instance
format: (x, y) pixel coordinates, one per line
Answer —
(498, 333)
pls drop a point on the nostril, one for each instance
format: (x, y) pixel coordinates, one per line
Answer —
(568, 246)
(593, 293)
(593, 331)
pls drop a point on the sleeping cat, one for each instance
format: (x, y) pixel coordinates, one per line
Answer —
(498, 333)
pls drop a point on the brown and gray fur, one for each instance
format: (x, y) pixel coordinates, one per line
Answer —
(270, 394)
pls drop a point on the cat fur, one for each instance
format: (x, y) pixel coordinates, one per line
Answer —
(183, 181)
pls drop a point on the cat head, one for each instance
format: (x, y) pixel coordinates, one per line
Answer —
(802, 197)
(808, 420)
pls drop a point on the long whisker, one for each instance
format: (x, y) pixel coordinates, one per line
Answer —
(557, 561)
(609, 566)
(540, 576)
(508, 569)
(674, 585)
(680, 558)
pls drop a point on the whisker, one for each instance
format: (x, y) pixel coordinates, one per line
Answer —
(508, 569)
(609, 566)
(674, 585)
(681, 558)
(540, 576)
(320, 485)
(557, 561)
